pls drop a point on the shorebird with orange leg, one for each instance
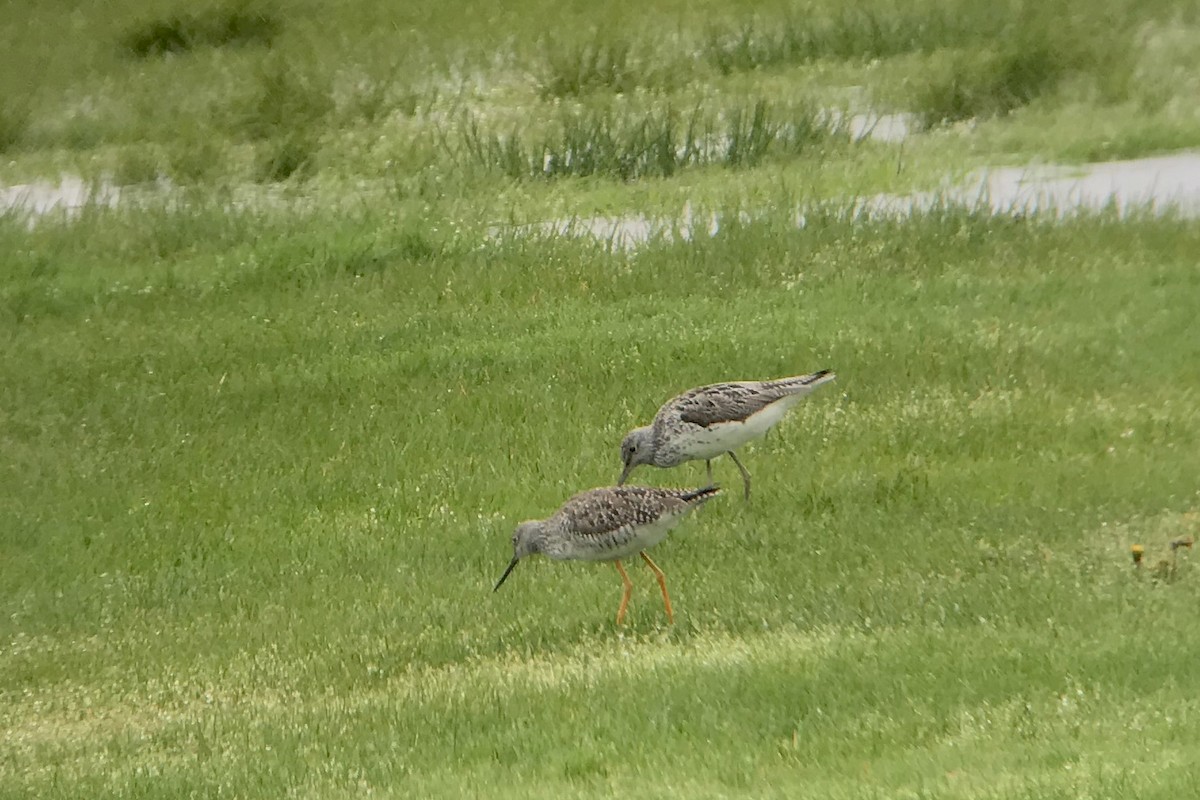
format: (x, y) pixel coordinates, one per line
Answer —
(609, 524)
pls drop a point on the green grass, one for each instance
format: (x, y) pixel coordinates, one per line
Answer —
(263, 442)
(855, 31)
(14, 123)
(579, 69)
(236, 93)
(261, 469)
(992, 85)
(234, 26)
(622, 145)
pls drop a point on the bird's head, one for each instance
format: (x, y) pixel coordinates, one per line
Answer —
(636, 448)
(526, 540)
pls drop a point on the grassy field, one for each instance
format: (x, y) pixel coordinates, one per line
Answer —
(259, 481)
(263, 441)
(436, 101)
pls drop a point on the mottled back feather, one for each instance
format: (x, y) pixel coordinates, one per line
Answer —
(724, 402)
(600, 511)
(735, 401)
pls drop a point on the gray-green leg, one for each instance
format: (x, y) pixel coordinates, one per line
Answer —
(708, 464)
(745, 474)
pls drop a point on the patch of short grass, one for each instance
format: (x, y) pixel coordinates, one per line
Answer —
(260, 469)
(235, 25)
(576, 69)
(14, 122)
(973, 85)
(287, 156)
(285, 99)
(854, 31)
(199, 159)
(136, 166)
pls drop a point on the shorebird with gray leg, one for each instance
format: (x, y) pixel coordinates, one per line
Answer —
(709, 421)
(609, 524)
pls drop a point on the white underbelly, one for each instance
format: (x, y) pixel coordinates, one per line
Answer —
(710, 442)
(642, 538)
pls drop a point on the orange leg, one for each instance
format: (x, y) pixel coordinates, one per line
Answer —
(662, 583)
(628, 591)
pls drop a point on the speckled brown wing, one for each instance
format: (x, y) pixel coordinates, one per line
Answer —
(725, 402)
(600, 511)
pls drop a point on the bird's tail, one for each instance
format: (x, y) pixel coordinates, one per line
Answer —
(700, 495)
(803, 384)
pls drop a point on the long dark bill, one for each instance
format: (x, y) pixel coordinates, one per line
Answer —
(625, 475)
(504, 577)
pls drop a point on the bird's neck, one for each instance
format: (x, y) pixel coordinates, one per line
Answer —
(662, 454)
(551, 545)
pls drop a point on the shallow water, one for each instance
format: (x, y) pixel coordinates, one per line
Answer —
(891, 128)
(1158, 184)
(68, 196)
(623, 232)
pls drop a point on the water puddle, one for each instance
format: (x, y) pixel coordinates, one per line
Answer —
(1158, 184)
(888, 128)
(625, 232)
(68, 196)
